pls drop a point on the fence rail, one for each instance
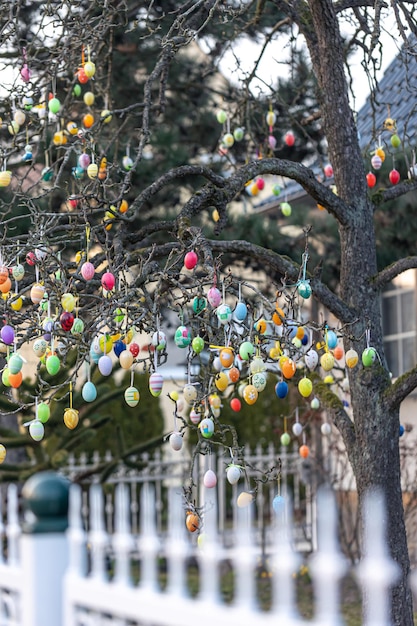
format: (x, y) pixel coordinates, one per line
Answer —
(53, 577)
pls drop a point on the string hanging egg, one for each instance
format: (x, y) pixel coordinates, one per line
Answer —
(156, 382)
(89, 392)
(132, 396)
(71, 418)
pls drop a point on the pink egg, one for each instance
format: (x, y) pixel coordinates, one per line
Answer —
(87, 270)
(84, 160)
(214, 297)
(210, 479)
(108, 281)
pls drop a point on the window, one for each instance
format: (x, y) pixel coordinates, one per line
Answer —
(399, 327)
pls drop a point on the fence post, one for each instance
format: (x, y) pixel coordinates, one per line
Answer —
(44, 549)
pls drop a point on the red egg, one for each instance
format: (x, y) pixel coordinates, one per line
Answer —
(235, 404)
(108, 281)
(260, 183)
(82, 76)
(73, 201)
(328, 171)
(190, 260)
(31, 258)
(66, 320)
(371, 179)
(134, 349)
(394, 177)
(289, 138)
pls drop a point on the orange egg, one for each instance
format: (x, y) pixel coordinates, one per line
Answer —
(123, 206)
(88, 120)
(288, 368)
(304, 451)
(4, 274)
(6, 286)
(15, 380)
(234, 374)
(261, 326)
(192, 522)
(226, 357)
(338, 352)
(278, 316)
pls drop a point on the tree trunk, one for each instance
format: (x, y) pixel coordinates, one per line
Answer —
(374, 450)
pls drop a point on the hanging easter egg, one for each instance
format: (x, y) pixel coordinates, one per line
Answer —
(156, 382)
(127, 163)
(281, 389)
(217, 364)
(214, 297)
(36, 430)
(5, 377)
(228, 140)
(233, 474)
(19, 117)
(315, 404)
(81, 77)
(89, 391)
(304, 451)
(39, 347)
(106, 343)
(395, 141)
(235, 405)
(2, 453)
(226, 357)
(134, 349)
(6, 286)
(210, 479)
(89, 98)
(118, 347)
(241, 311)
(286, 209)
(259, 381)
(215, 400)
(15, 363)
(199, 304)
(233, 374)
(7, 335)
(190, 260)
(328, 171)
(106, 116)
(224, 314)
(4, 274)
(238, 134)
(272, 143)
(77, 327)
(53, 364)
(192, 522)
(132, 396)
(68, 302)
(285, 439)
(326, 429)
(371, 179)
(175, 441)
(271, 118)
(16, 302)
(327, 361)
(246, 349)
(182, 337)
(89, 69)
(13, 127)
(250, 394)
(244, 499)
(222, 381)
(105, 365)
(394, 177)
(66, 320)
(331, 339)
(108, 281)
(338, 353)
(305, 387)
(71, 418)
(278, 316)
(43, 412)
(84, 160)
(278, 504)
(351, 358)
(95, 352)
(54, 105)
(59, 138)
(126, 359)
(92, 170)
(207, 427)
(304, 289)
(15, 380)
(197, 344)
(159, 340)
(36, 293)
(297, 429)
(195, 417)
(376, 162)
(288, 368)
(190, 393)
(18, 272)
(368, 357)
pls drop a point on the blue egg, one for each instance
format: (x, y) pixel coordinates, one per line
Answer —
(331, 339)
(402, 430)
(305, 339)
(278, 504)
(240, 311)
(95, 354)
(89, 392)
(118, 347)
(292, 330)
(281, 389)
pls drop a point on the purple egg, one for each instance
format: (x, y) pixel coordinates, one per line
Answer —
(105, 365)
(7, 334)
(84, 160)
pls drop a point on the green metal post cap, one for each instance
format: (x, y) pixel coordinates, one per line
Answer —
(45, 497)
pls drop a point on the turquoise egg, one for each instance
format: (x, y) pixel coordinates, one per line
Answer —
(89, 392)
(240, 312)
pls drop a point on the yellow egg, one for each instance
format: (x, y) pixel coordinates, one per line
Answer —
(327, 361)
(106, 343)
(221, 381)
(250, 394)
(16, 302)
(89, 98)
(2, 453)
(215, 215)
(71, 418)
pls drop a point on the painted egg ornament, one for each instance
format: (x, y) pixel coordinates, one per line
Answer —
(259, 381)
(2, 453)
(315, 404)
(39, 347)
(304, 451)
(15, 380)
(71, 418)
(331, 339)
(15, 363)
(281, 389)
(134, 349)
(182, 337)
(297, 429)
(271, 118)
(228, 140)
(285, 439)
(127, 163)
(54, 105)
(288, 368)
(36, 293)
(92, 170)
(278, 316)
(126, 359)
(234, 374)
(108, 281)
(159, 340)
(351, 358)
(176, 441)
(233, 474)
(53, 364)
(88, 98)
(89, 391)
(286, 209)
(328, 171)
(371, 179)
(105, 365)
(77, 327)
(244, 499)
(195, 417)
(246, 349)
(190, 260)
(326, 429)
(210, 479)
(118, 347)
(305, 387)
(87, 270)
(199, 304)
(5, 377)
(6, 286)
(190, 394)
(272, 143)
(43, 412)
(89, 69)
(395, 141)
(376, 162)
(235, 405)
(66, 320)
(106, 116)
(36, 430)
(241, 311)
(250, 394)
(7, 335)
(197, 344)
(222, 381)
(338, 353)
(226, 357)
(289, 138)
(327, 361)
(192, 522)
(214, 297)
(16, 302)
(207, 427)
(394, 177)
(304, 289)
(238, 133)
(84, 160)
(217, 364)
(368, 357)
(224, 314)
(156, 382)
(4, 274)
(18, 272)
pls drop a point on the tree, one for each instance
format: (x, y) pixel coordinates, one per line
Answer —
(145, 256)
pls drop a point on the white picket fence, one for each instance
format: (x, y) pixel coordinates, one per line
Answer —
(68, 579)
